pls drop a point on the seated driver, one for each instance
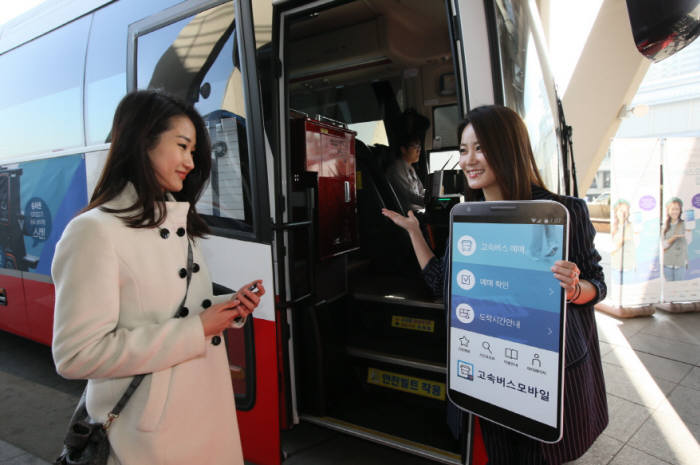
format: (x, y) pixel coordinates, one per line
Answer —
(400, 173)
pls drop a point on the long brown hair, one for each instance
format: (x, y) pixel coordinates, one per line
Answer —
(505, 144)
(141, 117)
(667, 223)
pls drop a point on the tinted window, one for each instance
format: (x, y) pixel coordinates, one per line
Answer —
(41, 106)
(105, 75)
(524, 85)
(197, 59)
(445, 122)
(4, 199)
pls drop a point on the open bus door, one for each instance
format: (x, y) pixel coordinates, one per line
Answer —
(366, 346)
(204, 52)
(368, 341)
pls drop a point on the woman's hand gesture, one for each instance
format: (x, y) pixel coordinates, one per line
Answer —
(219, 317)
(409, 223)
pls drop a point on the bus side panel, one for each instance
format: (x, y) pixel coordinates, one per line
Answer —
(233, 263)
(13, 317)
(259, 427)
(40, 300)
(43, 196)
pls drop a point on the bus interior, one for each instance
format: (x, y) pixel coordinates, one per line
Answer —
(370, 338)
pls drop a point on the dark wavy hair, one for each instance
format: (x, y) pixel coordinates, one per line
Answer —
(505, 144)
(141, 117)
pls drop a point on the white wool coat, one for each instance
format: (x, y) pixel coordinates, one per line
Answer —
(117, 290)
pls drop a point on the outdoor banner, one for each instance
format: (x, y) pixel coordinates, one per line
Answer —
(680, 236)
(37, 200)
(635, 269)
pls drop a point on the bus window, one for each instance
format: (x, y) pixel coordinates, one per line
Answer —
(439, 160)
(524, 85)
(346, 102)
(41, 107)
(197, 58)
(370, 132)
(445, 121)
(105, 72)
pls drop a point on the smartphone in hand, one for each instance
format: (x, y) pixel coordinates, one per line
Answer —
(253, 288)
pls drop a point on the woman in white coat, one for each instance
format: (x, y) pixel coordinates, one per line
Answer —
(120, 273)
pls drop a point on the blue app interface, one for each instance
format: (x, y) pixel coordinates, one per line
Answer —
(505, 320)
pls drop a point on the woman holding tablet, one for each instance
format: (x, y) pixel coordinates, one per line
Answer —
(497, 160)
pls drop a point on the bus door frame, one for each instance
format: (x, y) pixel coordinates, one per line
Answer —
(478, 83)
(283, 225)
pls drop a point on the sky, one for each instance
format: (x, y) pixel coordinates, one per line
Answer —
(11, 8)
(570, 23)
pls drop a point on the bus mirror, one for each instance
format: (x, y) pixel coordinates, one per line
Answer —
(661, 29)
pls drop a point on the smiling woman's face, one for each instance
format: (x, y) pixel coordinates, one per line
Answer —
(172, 156)
(475, 166)
(674, 210)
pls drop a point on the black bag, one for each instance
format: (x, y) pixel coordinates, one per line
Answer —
(86, 443)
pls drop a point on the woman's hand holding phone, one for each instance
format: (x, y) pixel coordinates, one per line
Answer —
(233, 312)
(249, 298)
(218, 317)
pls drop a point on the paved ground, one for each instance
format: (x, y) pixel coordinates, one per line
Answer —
(652, 374)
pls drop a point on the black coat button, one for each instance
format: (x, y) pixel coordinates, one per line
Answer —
(216, 340)
(195, 268)
(184, 311)
(180, 232)
(164, 233)
(182, 273)
(206, 303)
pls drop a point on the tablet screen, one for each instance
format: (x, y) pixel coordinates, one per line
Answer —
(506, 321)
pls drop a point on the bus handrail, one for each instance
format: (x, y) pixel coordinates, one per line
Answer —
(292, 225)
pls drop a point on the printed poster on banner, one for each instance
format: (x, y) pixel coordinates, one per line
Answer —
(39, 198)
(680, 236)
(635, 268)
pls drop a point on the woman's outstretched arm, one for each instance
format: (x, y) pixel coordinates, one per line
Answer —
(410, 223)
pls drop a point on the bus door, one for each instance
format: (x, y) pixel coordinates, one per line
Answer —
(204, 52)
(13, 315)
(368, 339)
(512, 71)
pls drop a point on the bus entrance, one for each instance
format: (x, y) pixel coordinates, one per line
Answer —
(368, 354)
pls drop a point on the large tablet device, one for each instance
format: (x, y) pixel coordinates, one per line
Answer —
(507, 314)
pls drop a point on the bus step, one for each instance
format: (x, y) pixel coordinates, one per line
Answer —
(396, 360)
(411, 447)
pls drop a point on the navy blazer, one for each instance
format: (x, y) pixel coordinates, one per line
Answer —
(585, 403)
